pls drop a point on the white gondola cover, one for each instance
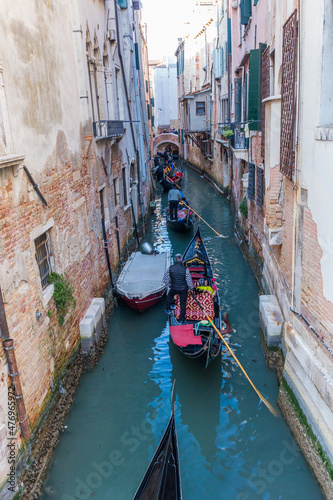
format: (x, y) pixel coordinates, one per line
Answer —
(143, 275)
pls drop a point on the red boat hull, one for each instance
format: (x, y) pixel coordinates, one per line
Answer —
(141, 305)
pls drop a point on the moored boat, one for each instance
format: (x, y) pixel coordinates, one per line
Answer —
(197, 338)
(140, 284)
(162, 480)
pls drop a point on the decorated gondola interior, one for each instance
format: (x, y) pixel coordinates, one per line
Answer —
(197, 330)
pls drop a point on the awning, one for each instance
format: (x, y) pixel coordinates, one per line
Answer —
(241, 154)
(224, 143)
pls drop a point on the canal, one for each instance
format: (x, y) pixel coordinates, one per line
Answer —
(230, 445)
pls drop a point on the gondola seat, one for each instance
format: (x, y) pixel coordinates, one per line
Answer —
(193, 311)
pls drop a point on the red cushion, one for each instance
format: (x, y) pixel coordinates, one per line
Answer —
(196, 268)
(193, 311)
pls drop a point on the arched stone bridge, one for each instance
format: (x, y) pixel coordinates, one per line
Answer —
(165, 138)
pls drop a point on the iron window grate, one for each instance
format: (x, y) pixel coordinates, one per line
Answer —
(42, 244)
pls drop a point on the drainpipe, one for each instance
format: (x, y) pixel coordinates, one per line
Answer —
(136, 77)
(8, 345)
(125, 87)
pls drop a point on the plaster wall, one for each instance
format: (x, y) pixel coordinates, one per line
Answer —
(315, 172)
(166, 104)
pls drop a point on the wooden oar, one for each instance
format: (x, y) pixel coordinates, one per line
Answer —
(190, 208)
(263, 399)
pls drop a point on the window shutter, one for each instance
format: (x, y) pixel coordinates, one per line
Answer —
(222, 60)
(136, 47)
(251, 188)
(255, 2)
(260, 187)
(254, 113)
(238, 99)
(229, 36)
(246, 11)
(122, 4)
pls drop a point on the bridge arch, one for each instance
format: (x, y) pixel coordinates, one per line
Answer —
(165, 138)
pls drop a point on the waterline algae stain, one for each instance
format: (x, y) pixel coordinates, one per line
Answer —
(230, 446)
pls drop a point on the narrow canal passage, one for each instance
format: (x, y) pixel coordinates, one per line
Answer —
(230, 446)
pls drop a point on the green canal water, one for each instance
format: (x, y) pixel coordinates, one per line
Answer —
(230, 445)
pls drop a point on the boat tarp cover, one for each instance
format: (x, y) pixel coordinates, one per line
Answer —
(143, 275)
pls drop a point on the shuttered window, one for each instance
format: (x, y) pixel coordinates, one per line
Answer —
(255, 88)
(260, 187)
(251, 188)
(122, 4)
(229, 36)
(246, 11)
(238, 99)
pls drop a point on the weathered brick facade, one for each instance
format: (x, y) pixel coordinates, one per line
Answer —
(81, 168)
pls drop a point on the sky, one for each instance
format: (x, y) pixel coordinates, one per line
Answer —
(166, 23)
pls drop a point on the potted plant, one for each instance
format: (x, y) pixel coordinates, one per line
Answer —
(226, 132)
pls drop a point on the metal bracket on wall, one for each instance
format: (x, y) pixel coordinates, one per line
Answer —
(34, 185)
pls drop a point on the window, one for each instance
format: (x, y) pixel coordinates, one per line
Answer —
(43, 257)
(200, 108)
(260, 187)
(115, 191)
(125, 198)
(251, 188)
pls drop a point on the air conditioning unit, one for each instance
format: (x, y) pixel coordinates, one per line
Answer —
(111, 34)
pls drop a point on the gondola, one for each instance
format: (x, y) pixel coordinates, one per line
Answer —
(197, 338)
(184, 222)
(169, 182)
(162, 479)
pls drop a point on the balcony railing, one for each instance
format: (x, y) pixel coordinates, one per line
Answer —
(105, 129)
(238, 139)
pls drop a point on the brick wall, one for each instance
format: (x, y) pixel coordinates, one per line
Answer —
(315, 308)
(286, 258)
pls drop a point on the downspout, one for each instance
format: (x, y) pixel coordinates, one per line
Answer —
(126, 91)
(138, 110)
(8, 345)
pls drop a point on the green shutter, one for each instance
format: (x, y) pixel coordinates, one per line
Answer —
(246, 11)
(254, 113)
(229, 36)
(148, 110)
(255, 2)
(136, 47)
(122, 4)
(238, 99)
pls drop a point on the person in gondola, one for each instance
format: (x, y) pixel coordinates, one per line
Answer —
(178, 278)
(203, 287)
(174, 198)
(156, 161)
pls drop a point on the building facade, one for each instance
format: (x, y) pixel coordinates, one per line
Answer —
(74, 148)
(270, 116)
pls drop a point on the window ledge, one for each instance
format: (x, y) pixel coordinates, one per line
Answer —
(48, 294)
(324, 133)
(272, 98)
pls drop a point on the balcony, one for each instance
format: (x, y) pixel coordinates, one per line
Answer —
(238, 139)
(107, 129)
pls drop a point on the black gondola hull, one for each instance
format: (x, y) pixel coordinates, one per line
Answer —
(210, 346)
(162, 479)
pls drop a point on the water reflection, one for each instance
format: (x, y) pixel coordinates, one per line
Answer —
(231, 447)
